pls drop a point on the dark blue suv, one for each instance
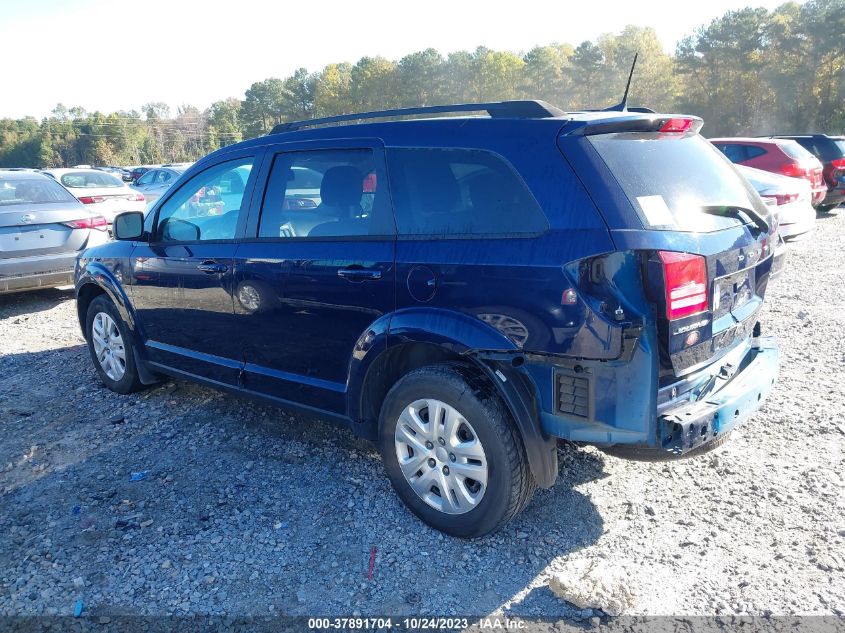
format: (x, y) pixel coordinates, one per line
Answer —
(461, 290)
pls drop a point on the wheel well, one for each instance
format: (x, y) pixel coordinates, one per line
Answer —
(387, 369)
(84, 297)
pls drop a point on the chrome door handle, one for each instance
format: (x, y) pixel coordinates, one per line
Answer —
(212, 268)
(359, 274)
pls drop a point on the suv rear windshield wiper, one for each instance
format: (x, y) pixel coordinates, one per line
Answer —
(744, 214)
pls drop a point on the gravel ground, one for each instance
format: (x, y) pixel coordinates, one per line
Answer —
(246, 510)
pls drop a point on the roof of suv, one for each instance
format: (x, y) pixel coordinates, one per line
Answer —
(503, 117)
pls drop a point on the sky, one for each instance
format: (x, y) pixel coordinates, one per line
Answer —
(112, 55)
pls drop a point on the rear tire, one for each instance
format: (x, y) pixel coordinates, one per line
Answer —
(448, 428)
(111, 347)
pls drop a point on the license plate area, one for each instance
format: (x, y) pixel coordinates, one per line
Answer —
(23, 239)
(732, 291)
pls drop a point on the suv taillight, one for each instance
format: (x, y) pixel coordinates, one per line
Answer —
(685, 279)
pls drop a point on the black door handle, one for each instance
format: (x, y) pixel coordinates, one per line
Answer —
(359, 274)
(212, 268)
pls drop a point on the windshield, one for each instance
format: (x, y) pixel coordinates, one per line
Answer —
(679, 182)
(89, 179)
(32, 191)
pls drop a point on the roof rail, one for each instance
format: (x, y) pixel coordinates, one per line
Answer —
(499, 109)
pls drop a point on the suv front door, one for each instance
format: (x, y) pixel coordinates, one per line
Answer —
(182, 278)
(317, 272)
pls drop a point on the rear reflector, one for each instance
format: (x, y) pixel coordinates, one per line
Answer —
(137, 197)
(97, 222)
(685, 277)
(569, 297)
(786, 198)
(676, 126)
(91, 199)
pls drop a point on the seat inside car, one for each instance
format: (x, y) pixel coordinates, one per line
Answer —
(340, 200)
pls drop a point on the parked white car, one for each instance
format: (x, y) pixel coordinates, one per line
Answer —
(104, 194)
(789, 198)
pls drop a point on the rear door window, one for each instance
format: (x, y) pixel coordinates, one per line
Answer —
(460, 193)
(679, 183)
(321, 194)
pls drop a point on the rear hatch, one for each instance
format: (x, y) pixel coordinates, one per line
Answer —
(703, 235)
(806, 165)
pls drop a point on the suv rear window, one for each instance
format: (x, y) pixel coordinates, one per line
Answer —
(678, 183)
(832, 149)
(89, 179)
(794, 150)
(460, 193)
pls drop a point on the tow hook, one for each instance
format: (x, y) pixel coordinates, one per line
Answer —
(755, 336)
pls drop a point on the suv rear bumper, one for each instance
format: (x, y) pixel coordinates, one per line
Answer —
(691, 426)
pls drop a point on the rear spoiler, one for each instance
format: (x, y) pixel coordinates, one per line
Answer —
(640, 122)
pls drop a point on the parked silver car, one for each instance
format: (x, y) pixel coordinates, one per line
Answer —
(42, 229)
(155, 182)
(790, 199)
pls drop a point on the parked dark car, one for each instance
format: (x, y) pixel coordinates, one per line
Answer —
(830, 150)
(462, 291)
(42, 229)
(779, 156)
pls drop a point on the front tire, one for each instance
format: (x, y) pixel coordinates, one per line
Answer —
(452, 452)
(111, 348)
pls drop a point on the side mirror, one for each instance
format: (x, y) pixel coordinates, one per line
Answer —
(128, 226)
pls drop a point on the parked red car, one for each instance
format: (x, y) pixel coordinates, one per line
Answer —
(778, 156)
(830, 150)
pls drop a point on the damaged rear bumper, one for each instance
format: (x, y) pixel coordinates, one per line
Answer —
(692, 425)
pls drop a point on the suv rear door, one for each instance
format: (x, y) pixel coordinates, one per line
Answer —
(674, 192)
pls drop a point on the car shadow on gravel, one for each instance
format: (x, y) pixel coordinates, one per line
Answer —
(15, 304)
(240, 508)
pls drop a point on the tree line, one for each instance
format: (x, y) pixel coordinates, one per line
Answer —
(750, 71)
